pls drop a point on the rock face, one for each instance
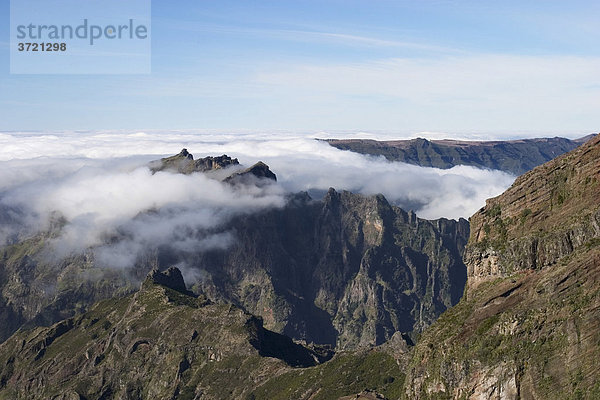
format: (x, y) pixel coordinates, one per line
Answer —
(514, 156)
(259, 170)
(348, 271)
(37, 291)
(529, 325)
(184, 163)
(171, 278)
(544, 216)
(157, 343)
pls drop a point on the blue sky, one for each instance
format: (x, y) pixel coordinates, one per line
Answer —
(504, 68)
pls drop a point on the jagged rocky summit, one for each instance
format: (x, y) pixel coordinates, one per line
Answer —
(184, 163)
(347, 270)
(171, 278)
(252, 174)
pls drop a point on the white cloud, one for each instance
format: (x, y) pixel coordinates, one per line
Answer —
(99, 182)
(103, 185)
(122, 199)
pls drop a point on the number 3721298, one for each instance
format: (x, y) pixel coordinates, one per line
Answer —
(42, 46)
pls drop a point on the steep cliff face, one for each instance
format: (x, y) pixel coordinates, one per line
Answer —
(545, 215)
(349, 270)
(529, 326)
(160, 342)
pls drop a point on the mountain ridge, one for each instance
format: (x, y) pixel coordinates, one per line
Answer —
(164, 342)
(529, 324)
(513, 156)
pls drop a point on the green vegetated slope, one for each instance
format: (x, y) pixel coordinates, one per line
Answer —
(164, 342)
(36, 289)
(161, 342)
(514, 156)
(529, 324)
(346, 374)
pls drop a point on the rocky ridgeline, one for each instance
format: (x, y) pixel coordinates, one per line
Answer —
(252, 175)
(170, 278)
(513, 156)
(347, 270)
(184, 163)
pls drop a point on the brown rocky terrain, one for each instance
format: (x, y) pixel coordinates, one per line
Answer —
(529, 325)
(545, 215)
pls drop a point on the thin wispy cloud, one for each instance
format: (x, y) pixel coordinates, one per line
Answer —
(486, 90)
(356, 40)
(314, 36)
(383, 65)
(113, 207)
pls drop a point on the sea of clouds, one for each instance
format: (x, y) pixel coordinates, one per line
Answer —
(99, 183)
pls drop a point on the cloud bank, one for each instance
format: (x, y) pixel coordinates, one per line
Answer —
(99, 184)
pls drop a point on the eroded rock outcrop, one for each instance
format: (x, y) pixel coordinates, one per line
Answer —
(529, 325)
(184, 163)
(544, 216)
(348, 270)
(260, 170)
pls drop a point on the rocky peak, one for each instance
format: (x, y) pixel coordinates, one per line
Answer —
(170, 278)
(259, 170)
(184, 153)
(332, 197)
(125, 339)
(212, 163)
(421, 142)
(184, 163)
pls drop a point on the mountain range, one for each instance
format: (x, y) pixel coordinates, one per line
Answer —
(343, 297)
(346, 270)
